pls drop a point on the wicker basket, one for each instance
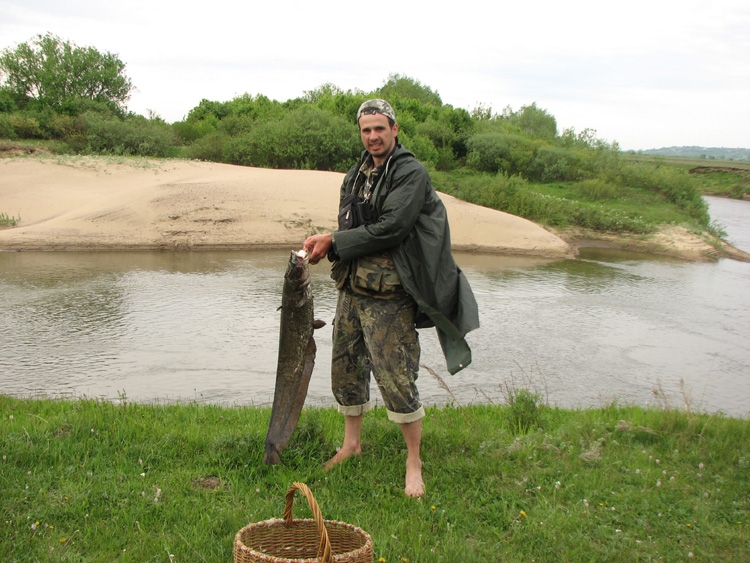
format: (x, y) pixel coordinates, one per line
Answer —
(302, 541)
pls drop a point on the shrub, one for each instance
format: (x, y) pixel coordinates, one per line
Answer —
(25, 127)
(190, 131)
(438, 132)
(554, 164)
(59, 126)
(209, 147)
(501, 152)
(422, 148)
(7, 131)
(307, 138)
(134, 136)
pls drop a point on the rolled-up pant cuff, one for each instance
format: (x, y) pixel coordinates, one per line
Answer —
(407, 417)
(355, 410)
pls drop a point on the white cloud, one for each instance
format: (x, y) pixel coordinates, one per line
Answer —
(645, 74)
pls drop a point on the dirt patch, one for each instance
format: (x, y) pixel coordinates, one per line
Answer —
(208, 483)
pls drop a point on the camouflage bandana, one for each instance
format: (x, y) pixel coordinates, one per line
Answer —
(376, 106)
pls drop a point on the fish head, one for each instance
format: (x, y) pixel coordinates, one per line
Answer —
(298, 273)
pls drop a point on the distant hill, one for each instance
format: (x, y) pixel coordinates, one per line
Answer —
(710, 153)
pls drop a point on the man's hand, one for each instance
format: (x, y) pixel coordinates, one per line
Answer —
(317, 247)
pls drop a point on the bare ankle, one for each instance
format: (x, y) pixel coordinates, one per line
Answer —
(344, 452)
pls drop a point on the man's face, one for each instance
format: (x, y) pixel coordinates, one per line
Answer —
(378, 136)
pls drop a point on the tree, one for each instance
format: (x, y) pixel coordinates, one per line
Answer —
(47, 72)
(533, 121)
(405, 88)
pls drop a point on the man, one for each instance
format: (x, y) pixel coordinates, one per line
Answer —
(395, 273)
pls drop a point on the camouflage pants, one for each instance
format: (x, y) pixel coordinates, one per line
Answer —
(378, 337)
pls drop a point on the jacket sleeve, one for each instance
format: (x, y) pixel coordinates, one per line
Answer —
(397, 210)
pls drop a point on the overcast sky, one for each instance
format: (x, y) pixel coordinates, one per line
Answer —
(647, 74)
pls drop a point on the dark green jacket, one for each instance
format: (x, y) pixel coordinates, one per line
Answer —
(413, 225)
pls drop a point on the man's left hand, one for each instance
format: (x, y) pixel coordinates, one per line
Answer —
(318, 246)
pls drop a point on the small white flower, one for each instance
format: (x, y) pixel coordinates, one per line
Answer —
(671, 478)
(700, 466)
(143, 474)
(658, 483)
(558, 485)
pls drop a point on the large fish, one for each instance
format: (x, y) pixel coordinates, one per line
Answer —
(296, 356)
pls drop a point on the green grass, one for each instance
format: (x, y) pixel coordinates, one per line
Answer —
(90, 481)
(8, 220)
(726, 178)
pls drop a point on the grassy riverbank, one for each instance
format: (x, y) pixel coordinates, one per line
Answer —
(92, 481)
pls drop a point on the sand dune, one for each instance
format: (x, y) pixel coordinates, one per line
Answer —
(113, 204)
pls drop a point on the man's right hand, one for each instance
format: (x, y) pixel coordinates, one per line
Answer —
(317, 247)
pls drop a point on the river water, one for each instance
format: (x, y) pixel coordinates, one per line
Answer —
(203, 326)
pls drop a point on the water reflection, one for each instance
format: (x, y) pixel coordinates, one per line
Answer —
(163, 326)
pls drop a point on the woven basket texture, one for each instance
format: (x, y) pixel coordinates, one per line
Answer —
(302, 541)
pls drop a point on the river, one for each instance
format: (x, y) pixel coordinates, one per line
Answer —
(203, 326)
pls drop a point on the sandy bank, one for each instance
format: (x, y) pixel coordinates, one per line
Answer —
(98, 203)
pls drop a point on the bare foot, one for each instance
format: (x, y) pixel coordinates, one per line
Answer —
(340, 456)
(414, 483)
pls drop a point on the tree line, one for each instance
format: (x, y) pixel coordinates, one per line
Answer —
(76, 99)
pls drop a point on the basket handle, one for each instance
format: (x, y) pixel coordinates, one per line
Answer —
(324, 548)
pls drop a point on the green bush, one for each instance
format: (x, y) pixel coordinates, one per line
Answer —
(25, 127)
(235, 125)
(7, 131)
(134, 136)
(59, 126)
(306, 139)
(439, 133)
(501, 152)
(209, 148)
(190, 131)
(422, 148)
(554, 164)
